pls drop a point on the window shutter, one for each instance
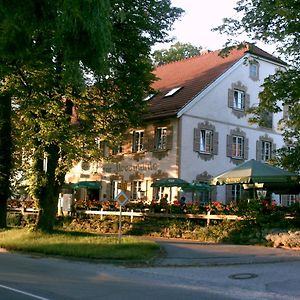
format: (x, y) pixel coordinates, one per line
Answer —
(258, 150)
(230, 97)
(196, 139)
(228, 193)
(215, 143)
(213, 193)
(133, 145)
(247, 101)
(149, 134)
(229, 146)
(246, 148)
(169, 137)
(273, 150)
(285, 112)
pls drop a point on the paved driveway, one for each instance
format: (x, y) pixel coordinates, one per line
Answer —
(178, 252)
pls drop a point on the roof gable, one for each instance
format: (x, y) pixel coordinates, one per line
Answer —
(193, 75)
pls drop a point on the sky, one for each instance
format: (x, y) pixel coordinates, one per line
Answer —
(199, 18)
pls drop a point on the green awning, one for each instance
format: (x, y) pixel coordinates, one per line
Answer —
(86, 184)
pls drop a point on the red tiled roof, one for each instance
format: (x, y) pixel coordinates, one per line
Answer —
(193, 75)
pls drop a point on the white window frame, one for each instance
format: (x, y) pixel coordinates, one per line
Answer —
(238, 146)
(173, 91)
(138, 141)
(238, 99)
(266, 150)
(114, 188)
(236, 192)
(206, 140)
(161, 138)
(136, 186)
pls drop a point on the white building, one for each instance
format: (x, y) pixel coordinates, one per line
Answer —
(197, 127)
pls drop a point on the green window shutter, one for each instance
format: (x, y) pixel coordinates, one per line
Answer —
(215, 143)
(196, 140)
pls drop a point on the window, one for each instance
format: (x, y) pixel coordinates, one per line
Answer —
(266, 150)
(173, 91)
(237, 147)
(149, 97)
(161, 138)
(254, 70)
(286, 112)
(101, 144)
(205, 141)
(239, 100)
(267, 119)
(136, 186)
(117, 150)
(234, 193)
(138, 141)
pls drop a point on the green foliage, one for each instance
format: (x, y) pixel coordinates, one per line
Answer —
(275, 22)
(177, 51)
(73, 80)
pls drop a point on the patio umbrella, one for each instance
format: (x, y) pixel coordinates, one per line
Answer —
(194, 187)
(169, 182)
(96, 185)
(254, 172)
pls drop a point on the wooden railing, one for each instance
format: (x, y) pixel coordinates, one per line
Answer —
(133, 214)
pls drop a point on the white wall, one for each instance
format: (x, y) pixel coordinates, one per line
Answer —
(212, 106)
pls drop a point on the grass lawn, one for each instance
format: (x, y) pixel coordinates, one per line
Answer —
(78, 245)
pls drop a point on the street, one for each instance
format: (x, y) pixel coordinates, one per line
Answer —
(189, 270)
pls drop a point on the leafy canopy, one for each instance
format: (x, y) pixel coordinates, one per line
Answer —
(176, 52)
(278, 22)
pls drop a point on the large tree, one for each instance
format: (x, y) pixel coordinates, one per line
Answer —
(276, 22)
(58, 113)
(176, 52)
(44, 49)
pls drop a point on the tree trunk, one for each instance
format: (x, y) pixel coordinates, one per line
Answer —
(47, 187)
(5, 155)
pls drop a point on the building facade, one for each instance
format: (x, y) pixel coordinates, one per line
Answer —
(197, 128)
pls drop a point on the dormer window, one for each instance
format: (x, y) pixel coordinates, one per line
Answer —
(150, 96)
(173, 91)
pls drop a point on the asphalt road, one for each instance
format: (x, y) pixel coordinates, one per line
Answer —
(189, 270)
